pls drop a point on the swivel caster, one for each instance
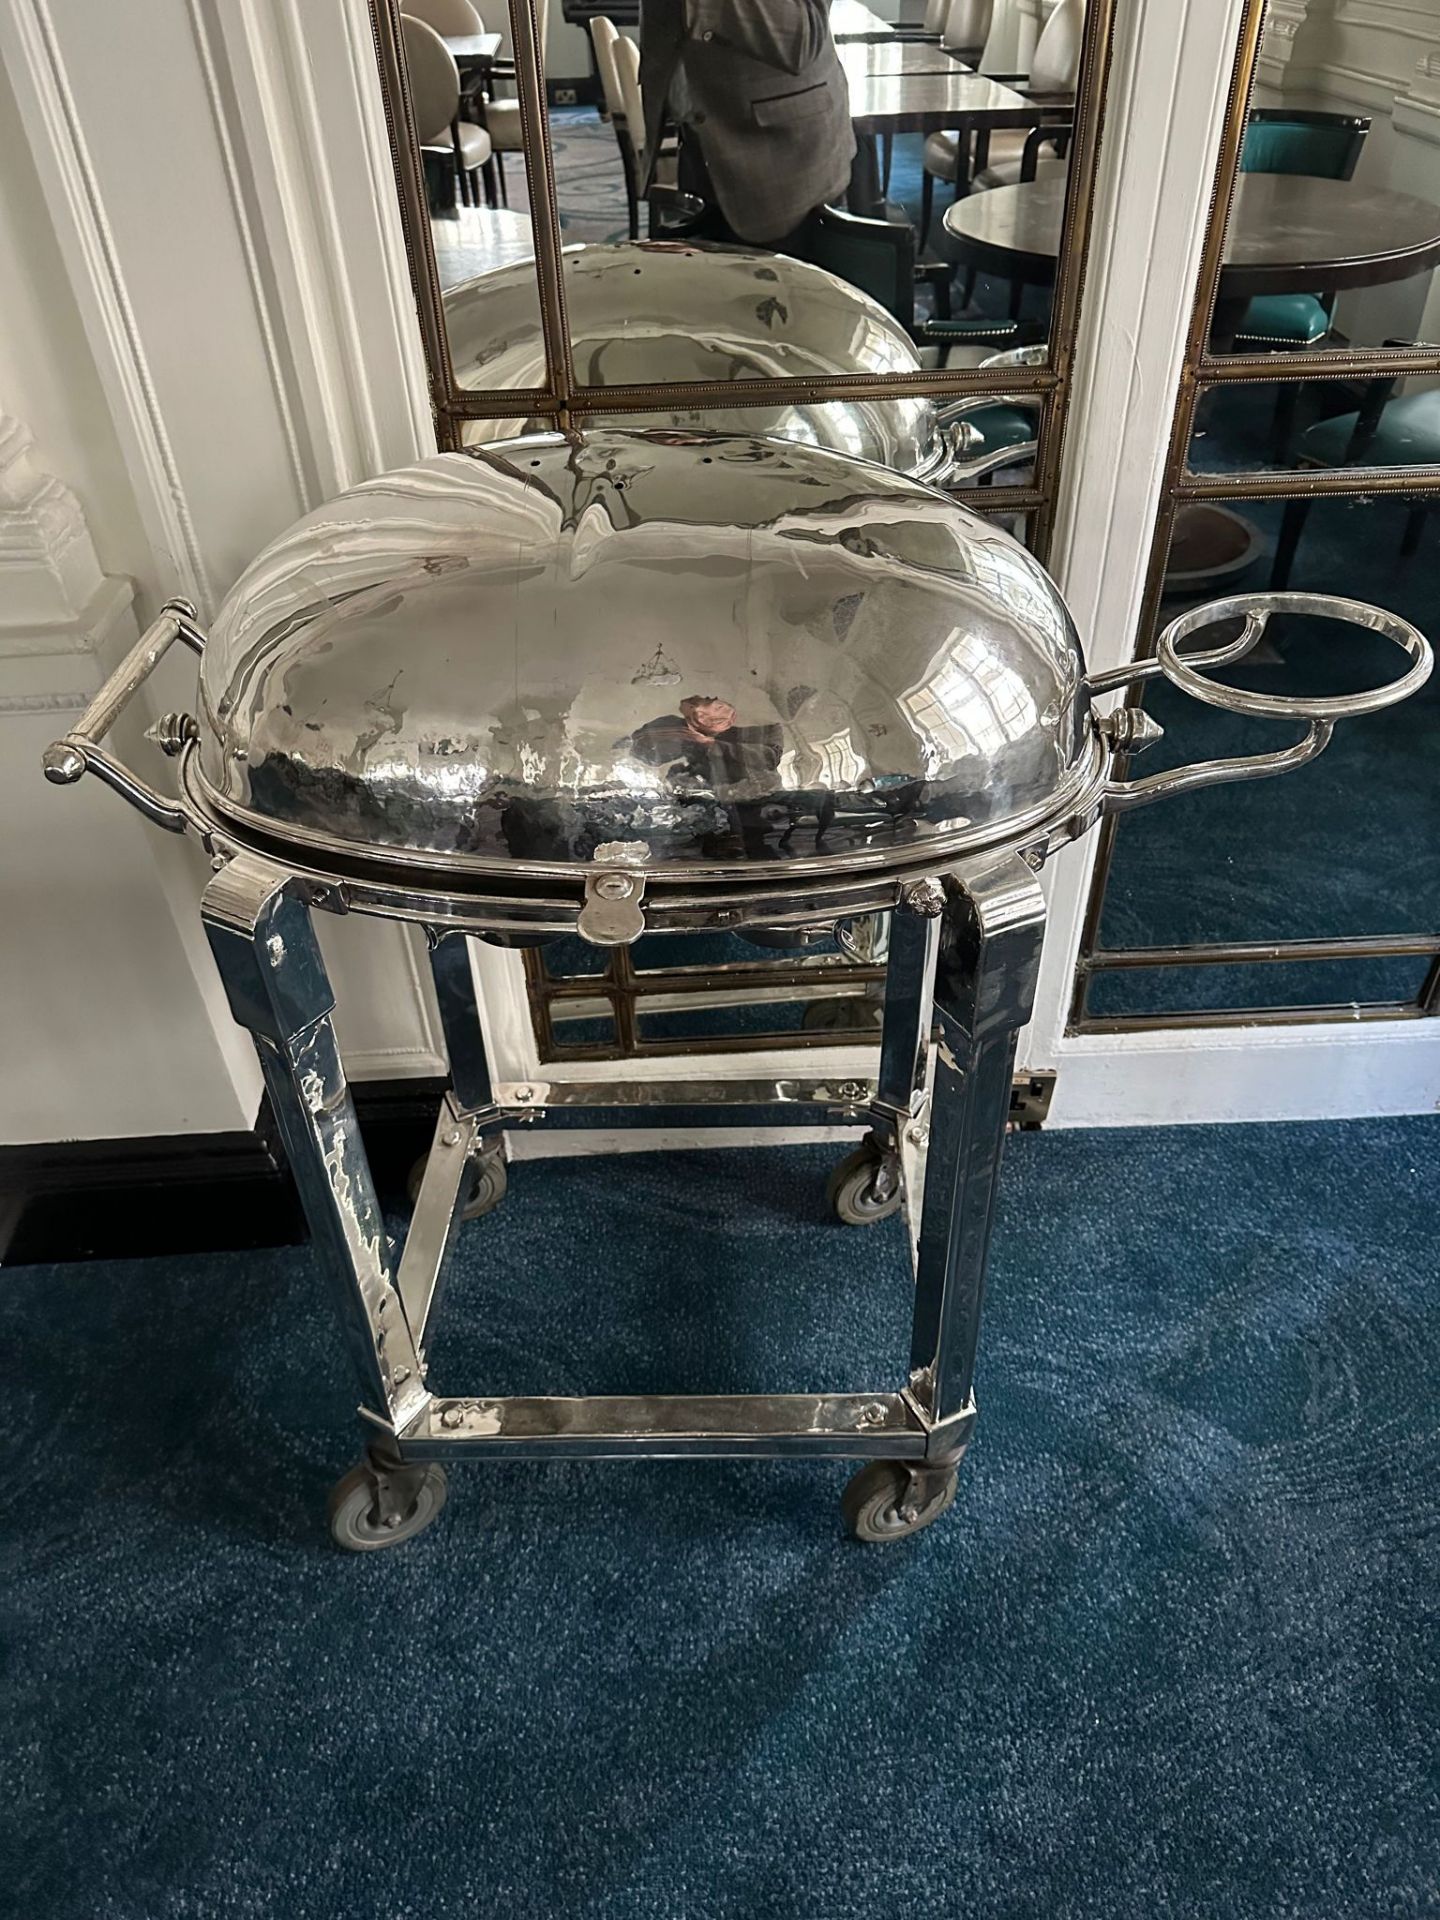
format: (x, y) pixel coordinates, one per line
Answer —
(380, 1504)
(889, 1500)
(488, 1175)
(866, 1186)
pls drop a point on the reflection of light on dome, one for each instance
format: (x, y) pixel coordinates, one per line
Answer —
(972, 703)
(658, 671)
(841, 767)
(638, 779)
(460, 780)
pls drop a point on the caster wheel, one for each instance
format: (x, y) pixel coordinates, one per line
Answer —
(834, 1016)
(883, 1502)
(355, 1524)
(490, 1180)
(864, 1188)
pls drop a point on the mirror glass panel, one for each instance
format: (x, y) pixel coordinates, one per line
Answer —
(1365, 420)
(967, 444)
(1334, 233)
(1389, 980)
(822, 194)
(1347, 846)
(460, 73)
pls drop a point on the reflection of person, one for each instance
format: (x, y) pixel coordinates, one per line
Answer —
(704, 741)
(760, 93)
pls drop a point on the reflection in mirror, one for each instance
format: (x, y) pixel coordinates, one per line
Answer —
(1368, 420)
(1334, 234)
(467, 118)
(1347, 846)
(737, 203)
(1384, 980)
(721, 990)
(976, 441)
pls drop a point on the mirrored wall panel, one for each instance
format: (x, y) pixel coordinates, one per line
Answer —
(875, 192)
(1334, 232)
(970, 444)
(840, 195)
(1345, 850)
(1357, 420)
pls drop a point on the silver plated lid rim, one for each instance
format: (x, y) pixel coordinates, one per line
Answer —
(942, 849)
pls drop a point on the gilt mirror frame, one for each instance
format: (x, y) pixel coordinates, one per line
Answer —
(565, 402)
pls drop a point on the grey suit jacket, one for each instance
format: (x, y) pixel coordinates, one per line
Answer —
(762, 87)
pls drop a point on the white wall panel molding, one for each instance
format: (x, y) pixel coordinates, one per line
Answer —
(38, 71)
(105, 991)
(218, 180)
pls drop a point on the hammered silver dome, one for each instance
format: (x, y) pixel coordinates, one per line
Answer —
(660, 311)
(678, 652)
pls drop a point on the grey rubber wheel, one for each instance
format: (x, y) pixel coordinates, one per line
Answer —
(490, 1178)
(853, 1193)
(353, 1522)
(883, 1503)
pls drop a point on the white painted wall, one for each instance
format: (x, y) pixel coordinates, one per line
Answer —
(208, 325)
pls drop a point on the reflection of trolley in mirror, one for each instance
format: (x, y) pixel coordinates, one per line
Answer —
(452, 648)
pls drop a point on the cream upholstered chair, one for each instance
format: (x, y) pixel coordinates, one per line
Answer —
(966, 25)
(604, 38)
(452, 17)
(1009, 154)
(632, 102)
(501, 118)
(435, 98)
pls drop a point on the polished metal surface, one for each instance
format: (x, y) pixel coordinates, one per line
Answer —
(1254, 611)
(661, 311)
(646, 654)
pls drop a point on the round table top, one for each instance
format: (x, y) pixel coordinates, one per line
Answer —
(1288, 232)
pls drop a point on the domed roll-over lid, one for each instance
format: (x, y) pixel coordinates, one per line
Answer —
(685, 654)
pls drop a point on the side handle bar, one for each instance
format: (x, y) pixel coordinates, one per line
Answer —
(1321, 712)
(81, 751)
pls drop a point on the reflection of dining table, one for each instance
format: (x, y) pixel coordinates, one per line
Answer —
(473, 53)
(889, 103)
(864, 59)
(1288, 233)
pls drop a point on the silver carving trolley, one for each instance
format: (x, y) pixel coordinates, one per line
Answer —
(667, 680)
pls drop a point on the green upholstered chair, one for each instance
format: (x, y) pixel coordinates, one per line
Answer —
(1381, 432)
(1325, 146)
(878, 256)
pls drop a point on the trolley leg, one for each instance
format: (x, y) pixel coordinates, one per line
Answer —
(868, 1184)
(460, 1017)
(987, 957)
(269, 960)
(985, 971)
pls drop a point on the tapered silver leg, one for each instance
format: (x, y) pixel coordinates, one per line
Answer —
(460, 1017)
(906, 980)
(986, 964)
(275, 979)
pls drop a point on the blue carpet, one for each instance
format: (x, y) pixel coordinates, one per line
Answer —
(1172, 1653)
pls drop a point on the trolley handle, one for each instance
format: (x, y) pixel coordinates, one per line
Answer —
(80, 751)
(1129, 728)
